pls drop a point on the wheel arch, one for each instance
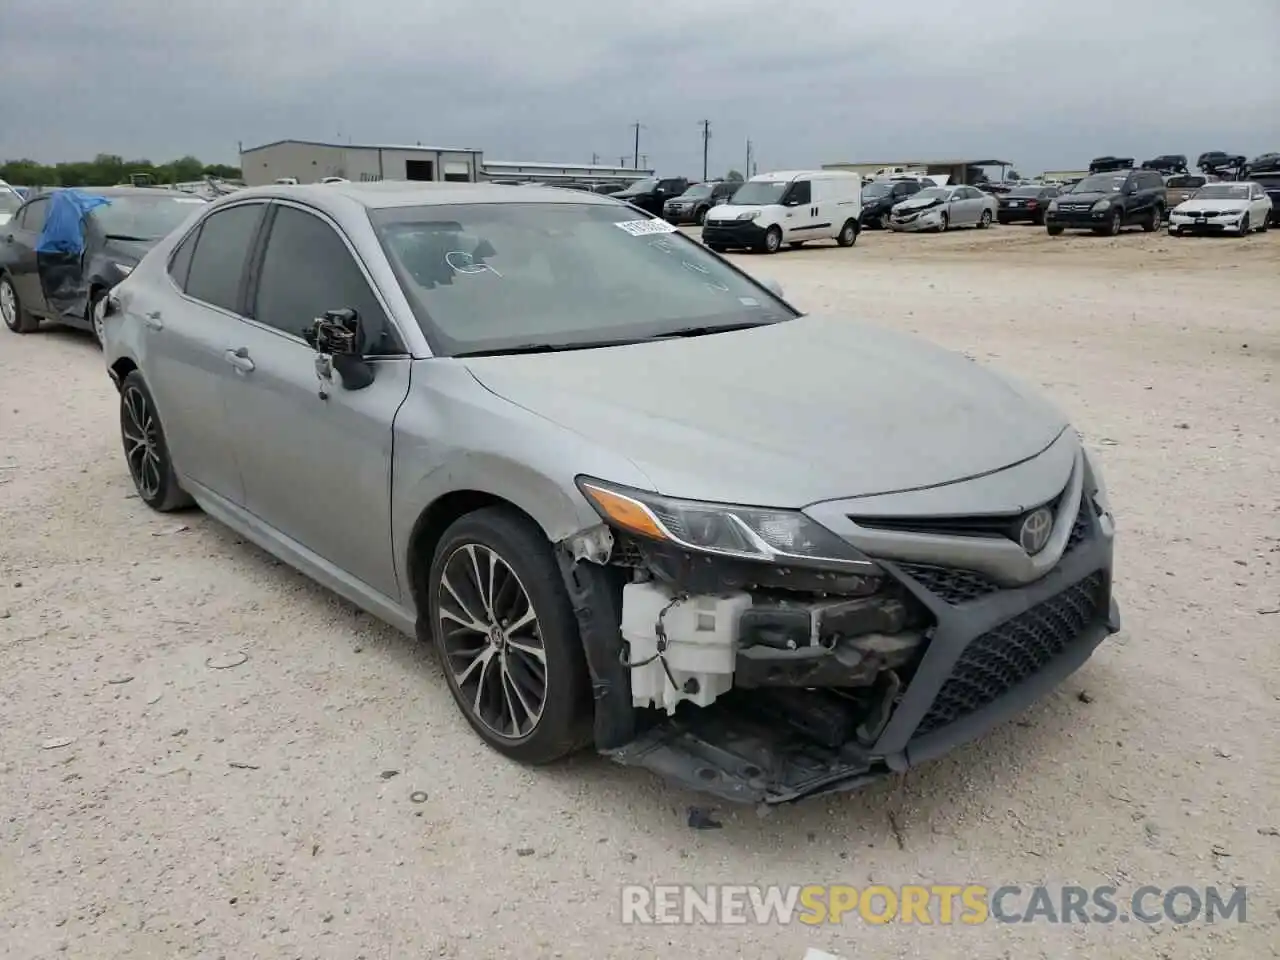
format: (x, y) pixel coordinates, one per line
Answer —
(121, 368)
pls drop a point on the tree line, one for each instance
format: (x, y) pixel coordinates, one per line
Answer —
(107, 170)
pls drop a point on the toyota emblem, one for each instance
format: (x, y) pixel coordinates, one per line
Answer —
(1035, 530)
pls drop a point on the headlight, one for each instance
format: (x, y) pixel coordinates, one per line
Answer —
(748, 533)
(1053, 205)
(1101, 205)
(747, 215)
(125, 268)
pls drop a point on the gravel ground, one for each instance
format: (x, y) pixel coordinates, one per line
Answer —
(157, 800)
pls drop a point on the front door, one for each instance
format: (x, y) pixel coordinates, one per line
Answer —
(20, 236)
(801, 213)
(315, 456)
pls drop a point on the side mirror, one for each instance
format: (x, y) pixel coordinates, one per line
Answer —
(773, 286)
(339, 340)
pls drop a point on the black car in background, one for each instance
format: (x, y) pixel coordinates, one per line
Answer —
(879, 197)
(652, 193)
(1107, 202)
(1025, 204)
(692, 205)
(37, 286)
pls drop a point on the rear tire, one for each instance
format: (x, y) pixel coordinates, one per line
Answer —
(16, 317)
(563, 721)
(145, 449)
(1152, 223)
(848, 234)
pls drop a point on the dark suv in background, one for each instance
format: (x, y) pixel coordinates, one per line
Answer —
(652, 193)
(1027, 203)
(879, 196)
(692, 205)
(1107, 202)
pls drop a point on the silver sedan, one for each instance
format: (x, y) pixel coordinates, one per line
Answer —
(941, 208)
(633, 497)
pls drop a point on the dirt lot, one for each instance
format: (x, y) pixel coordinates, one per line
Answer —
(154, 805)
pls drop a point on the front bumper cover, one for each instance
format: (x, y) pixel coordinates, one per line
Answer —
(988, 659)
(733, 233)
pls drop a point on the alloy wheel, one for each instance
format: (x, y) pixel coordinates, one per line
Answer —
(492, 641)
(142, 443)
(98, 314)
(8, 305)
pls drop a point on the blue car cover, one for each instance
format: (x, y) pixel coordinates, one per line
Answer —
(64, 226)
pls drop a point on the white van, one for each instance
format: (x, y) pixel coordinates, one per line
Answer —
(792, 206)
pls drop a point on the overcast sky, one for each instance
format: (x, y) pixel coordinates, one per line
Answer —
(1043, 83)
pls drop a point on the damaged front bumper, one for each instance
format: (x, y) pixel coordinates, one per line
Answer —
(988, 654)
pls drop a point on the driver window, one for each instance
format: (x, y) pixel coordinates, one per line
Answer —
(799, 193)
(33, 216)
(308, 269)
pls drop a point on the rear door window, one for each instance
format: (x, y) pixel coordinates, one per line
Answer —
(180, 262)
(308, 269)
(216, 272)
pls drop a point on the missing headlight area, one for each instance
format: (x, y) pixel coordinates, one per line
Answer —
(741, 678)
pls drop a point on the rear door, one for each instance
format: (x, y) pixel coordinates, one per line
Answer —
(316, 457)
(188, 332)
(20, 236)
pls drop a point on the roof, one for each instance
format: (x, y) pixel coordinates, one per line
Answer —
(920, 163)
(124, 192)
(365, 146)
(540, 165)
(778, 176)
(377, 195)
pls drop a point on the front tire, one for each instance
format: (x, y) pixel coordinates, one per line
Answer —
(146, 450)
(96, 314)
(848, 234)
(16, 317)
(773, 240)
(1053, 230)
(1116, 222)
(507, 637)
(701, 216)
(1244, 226)
(944, 223)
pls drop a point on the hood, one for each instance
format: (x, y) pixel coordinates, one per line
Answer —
(730, 211)
(784, 415)
(1092, 197)
(919, 203)
(1197, 204)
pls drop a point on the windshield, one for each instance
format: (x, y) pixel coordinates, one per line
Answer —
(1101, 183)
(492, 277)
(1223, 191)
(933, 193)
(642, 186)
(759, 191)
(873, 190)
(1185, 181)
(9, 200)
(694, 193)
(147, 218)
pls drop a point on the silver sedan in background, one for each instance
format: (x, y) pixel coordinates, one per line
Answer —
(941, 208)
(633, 497)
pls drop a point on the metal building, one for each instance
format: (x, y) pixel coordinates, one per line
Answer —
(309, 161)
(517, 171)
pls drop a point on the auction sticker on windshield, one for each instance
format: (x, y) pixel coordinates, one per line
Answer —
(643, 228)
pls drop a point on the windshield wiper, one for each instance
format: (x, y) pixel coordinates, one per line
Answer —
(544, 348)
(704, 331)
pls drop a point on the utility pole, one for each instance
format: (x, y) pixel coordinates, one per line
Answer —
(636, 161)
(644, 161)
(706, 140)
(747, 170)
(595, 158)
(622, 161)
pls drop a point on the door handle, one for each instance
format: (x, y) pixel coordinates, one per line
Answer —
(239, 359)
(153, 320)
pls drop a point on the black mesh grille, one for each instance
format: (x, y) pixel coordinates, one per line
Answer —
(948, 584)
(999, 660)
